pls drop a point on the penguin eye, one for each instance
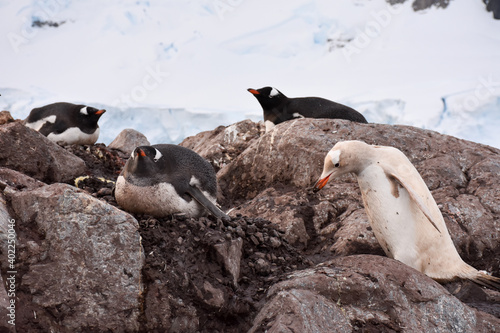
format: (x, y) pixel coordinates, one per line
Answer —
(337, 165)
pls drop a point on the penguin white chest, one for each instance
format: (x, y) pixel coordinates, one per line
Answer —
(158, 200)
(391, 213)
(74, 135)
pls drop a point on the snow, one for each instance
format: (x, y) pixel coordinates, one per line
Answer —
(171, 69)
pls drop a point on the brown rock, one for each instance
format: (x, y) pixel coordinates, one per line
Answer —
(128, 140)
(79, 262)
(272, 176)
(165, 313)
(18, 180)
(367, 293)
(230, 255)
(7, 311)
(223, 144)
(5, 117)
(32, 154)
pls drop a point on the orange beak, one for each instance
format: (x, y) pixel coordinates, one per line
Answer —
(253, 91)
(321, 183)
(100, 112)
(141, 152)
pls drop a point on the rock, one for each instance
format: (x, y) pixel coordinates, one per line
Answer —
(79, 262)
(367, 293)
(223, 144)
(32, 154)
(18, 180)
(6, 292)
(159, 312)
(194, 280)
(5, 117)
(190, 275)
(128, 140)
(272, 178)
(423, 4)
(493, 6)
(269, 205)
(104, 162)
(282, 151)
(302, 311)
(230, 255)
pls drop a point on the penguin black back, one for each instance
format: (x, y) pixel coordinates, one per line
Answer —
(66, 123)
(67, 115)
(164, 179)
(279, 108)
(169, 163)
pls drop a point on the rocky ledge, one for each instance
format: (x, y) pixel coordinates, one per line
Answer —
(288, 260)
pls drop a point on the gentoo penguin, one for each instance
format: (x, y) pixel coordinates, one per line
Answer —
(279, 108)
(165, 179)
(402, 212)
(66, 123)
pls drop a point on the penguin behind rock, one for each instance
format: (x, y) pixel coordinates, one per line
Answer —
(165, 179)
(279, 108)
(66, 123)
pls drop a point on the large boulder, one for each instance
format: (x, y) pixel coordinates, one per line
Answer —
(18, 180)
(128, 140)
(8, 287)
(224, 143)
(79, 262)
(273, 176)
(366, 293)
(32, 154)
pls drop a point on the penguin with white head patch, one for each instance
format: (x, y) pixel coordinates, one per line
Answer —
(279, 108)
(165, 179)
(402, 212)
(66, 123)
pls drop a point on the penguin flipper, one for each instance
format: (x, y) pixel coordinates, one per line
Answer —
(414, 196)
(207, 204)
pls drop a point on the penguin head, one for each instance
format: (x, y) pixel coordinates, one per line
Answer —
(144, 161)
(268, 97)
(89, 114)
(345, 157)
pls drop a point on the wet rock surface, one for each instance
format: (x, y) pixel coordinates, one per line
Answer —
(287, 260)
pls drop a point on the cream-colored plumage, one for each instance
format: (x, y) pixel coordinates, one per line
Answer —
(402, 212)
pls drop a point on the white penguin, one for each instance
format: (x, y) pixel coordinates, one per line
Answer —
(402, 212)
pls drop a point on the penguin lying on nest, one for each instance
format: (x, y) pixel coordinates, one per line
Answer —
(66, 123)
(165, 179)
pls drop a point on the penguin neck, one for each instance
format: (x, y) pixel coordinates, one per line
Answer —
(139, 169)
